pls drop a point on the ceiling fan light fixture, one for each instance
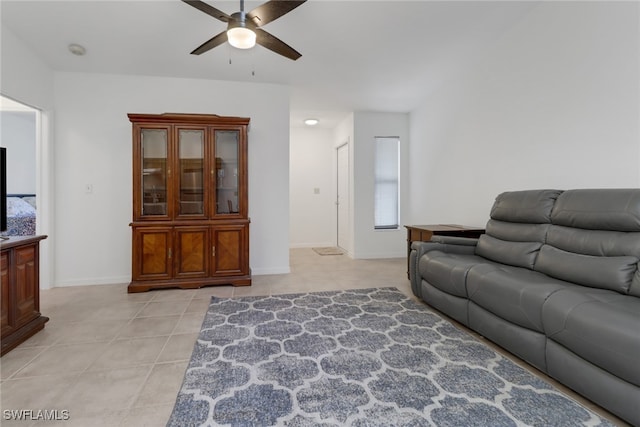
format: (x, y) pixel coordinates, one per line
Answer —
(238, 33)
(241, 37)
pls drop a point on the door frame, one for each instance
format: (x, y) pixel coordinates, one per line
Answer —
(346, 202)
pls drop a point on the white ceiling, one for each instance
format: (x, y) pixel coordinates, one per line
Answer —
(356, 55)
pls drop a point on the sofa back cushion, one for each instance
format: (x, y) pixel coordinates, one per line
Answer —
(529, 206)
(514, 244)
(519, 254)
(518, 227)
(594, 239)
(599, 209)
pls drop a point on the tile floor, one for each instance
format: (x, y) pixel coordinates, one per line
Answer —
(115, 359)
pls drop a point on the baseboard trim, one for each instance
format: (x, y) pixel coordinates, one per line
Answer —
(93, 281)
(385, 255)
(265, 271)
(310, 245)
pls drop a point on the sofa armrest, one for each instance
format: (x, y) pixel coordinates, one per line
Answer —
(453, 240)
(448, 244)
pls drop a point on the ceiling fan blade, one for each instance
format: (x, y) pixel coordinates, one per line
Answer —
(272, 10)
(275, 44)
(211, 43)
(209, 10)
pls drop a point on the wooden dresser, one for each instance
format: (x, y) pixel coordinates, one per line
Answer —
(20, 281)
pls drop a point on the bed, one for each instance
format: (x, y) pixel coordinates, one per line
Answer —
(21, 215)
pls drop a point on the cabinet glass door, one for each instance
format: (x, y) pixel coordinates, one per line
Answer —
(226, 149)
(154, 171)
(191, 159)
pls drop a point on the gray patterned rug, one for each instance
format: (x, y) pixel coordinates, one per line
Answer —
(366, 357)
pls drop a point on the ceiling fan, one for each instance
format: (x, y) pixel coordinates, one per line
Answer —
(243, 28)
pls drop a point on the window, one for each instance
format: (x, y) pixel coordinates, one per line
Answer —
(386, 183)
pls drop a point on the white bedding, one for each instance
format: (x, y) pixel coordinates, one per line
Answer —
(21, 217)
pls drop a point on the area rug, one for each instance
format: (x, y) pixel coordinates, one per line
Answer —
(328, 251)
(367, 357)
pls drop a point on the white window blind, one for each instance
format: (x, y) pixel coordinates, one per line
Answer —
(387, 188)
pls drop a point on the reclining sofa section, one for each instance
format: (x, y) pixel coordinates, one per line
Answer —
(555, 281)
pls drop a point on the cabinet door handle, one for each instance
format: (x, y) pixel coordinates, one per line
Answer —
(213, 251)
(169, 252)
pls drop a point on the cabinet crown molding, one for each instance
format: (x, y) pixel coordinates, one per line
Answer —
(189, 118)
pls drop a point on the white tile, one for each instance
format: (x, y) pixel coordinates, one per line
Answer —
(163, 384)
(97, 393)
(149, 326)
(178, 348)
(129, 352)
(164, 308)
(66, 358)
(148, 416)
(17, 359)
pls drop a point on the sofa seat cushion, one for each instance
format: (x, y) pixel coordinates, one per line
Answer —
(448, 272)
(512, 293)
(599, 325)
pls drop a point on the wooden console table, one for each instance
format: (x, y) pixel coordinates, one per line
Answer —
(20, 280)
(423, 233)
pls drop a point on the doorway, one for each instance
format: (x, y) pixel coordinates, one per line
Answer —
(342, 197)
(26, 135)
(19, 137)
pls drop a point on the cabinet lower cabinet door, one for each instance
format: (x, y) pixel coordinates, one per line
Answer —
(4, 283)
(26, 285)
(230, 244)
(152, 253)
(191, 254)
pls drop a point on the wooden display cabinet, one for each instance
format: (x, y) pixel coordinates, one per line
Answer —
(190, 207)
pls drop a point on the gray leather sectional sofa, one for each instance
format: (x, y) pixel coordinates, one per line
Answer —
(555, 281)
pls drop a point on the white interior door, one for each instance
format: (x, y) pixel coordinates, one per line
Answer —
(342, 199)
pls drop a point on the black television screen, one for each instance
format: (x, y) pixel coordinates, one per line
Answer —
(3, 189)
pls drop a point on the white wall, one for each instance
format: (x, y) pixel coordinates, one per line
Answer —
(93, 146)
(313, 215)
(368, 242)
(554, 104)
(18, 135)
(25, 78)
